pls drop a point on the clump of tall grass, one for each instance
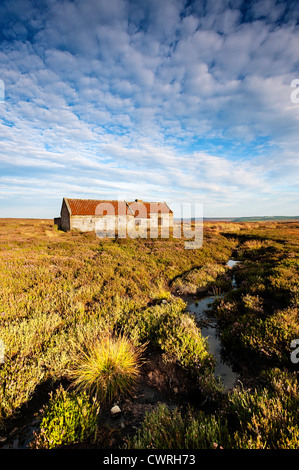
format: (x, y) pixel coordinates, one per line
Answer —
(107, 368)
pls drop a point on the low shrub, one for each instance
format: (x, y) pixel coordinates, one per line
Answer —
(180, 340)
(13, 393)
(171, 429)
(68, 418)
(199, 279)
(271, 338)
(169, 327)
(266, 418)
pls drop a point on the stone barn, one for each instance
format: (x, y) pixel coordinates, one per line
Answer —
(87, 215)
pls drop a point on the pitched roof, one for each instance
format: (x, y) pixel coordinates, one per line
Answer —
(143, 209)
(88, 206)
(99, 207)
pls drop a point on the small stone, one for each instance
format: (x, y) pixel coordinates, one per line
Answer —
(115, 410)
(13, 431)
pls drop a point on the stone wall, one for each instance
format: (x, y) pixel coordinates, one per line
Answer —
(103, 226)
(156, 220)
(109, 225)
(65, 218)
(57, 221)
(83, 223)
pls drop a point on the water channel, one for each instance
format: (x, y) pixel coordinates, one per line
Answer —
(202, 309)
(209, 329)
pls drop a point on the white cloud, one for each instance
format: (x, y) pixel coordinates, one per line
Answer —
(157, 97)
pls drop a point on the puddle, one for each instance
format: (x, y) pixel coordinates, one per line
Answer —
(208, 325)
(231, 263)
(20, 438)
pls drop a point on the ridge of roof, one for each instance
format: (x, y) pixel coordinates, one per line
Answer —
(88, 206)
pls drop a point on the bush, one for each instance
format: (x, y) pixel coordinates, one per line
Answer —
(166, 429)
(68, 419)
(180, 340)
(271, 338)
(198, 280)
(169, 327)
(266, 418)
(107, 368)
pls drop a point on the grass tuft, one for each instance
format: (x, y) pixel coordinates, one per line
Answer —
(107, 368)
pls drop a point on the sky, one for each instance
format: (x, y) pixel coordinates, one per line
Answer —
(193, 102)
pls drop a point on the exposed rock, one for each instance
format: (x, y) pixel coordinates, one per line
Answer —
(115, 410)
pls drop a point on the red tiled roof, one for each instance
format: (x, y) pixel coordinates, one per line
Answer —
(143, 209)
(88, 206)
(99, 207)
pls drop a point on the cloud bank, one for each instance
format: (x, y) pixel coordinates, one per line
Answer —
(173, 100)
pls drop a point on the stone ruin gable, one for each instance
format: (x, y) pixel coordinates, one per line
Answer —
(93, 215)
(152, 214)
(111, 218)
(65, 223)
(105, 216)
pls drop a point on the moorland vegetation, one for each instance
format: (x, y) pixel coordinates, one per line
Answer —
(88, 323)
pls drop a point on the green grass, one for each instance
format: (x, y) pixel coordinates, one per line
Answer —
(107, 368)
(61, 291)
(260, 318)
(173, 429)
(263, 418)
(68, 418)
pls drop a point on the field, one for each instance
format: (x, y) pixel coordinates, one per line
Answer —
(87, 324)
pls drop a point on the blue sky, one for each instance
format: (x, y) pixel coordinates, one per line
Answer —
(167, 100)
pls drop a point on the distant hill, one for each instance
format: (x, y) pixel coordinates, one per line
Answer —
(277, 218)
(266, 218)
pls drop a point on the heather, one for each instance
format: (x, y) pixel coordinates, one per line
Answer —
(64, 296)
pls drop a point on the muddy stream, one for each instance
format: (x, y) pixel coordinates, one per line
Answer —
(22, 434)
(202, 309)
